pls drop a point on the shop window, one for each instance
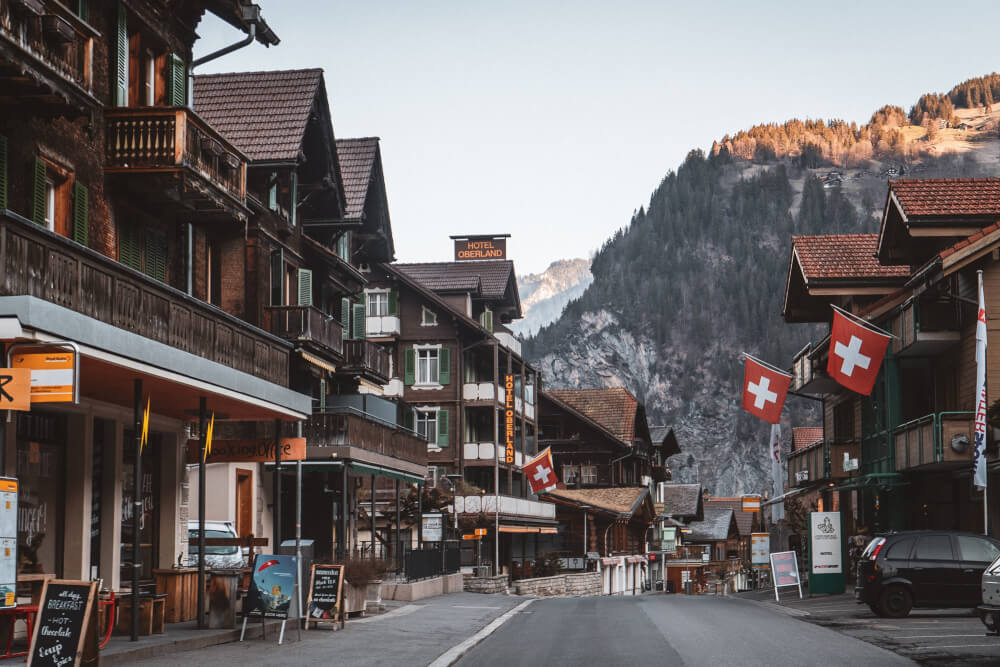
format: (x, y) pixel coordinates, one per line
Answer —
(41, 470)
(148, 516)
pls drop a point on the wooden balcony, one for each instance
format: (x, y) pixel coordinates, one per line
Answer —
(307, 326)
(935, 439)
(39, 263)
(356, 430)
(366, 358)
(46, 58)
(926, 327)
(173, 157)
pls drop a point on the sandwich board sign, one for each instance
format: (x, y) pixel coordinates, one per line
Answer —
(326, 601)
(272, 588)
(785, 571)
(826, 553)
(64, 623)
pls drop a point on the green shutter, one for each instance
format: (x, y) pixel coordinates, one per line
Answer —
(83, 10)
(38, 193)
(3, 171)
(156, 255)
(444, 365)
(345, 317)
(305, 287)
(129, 253)
(176, 81)
(442, 419)
(409, 366)
(81, 232)
(358, 320)
(486, 319)
(393, 302)
(294, 204)
(121, 58)
(272, 192)
(408, 418)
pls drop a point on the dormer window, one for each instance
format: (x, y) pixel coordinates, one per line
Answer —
(428, 318)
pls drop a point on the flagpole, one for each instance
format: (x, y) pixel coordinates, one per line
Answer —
(986, 390)
(864, 323)
(981, 404)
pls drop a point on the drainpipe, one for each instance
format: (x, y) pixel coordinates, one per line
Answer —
(253, 15)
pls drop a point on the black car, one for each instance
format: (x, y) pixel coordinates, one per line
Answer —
(923, 568)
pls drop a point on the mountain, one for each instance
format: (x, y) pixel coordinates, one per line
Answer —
(697, 276)
(545, 294)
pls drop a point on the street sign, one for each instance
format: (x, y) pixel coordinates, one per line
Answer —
(802, 476)
(469, 537)
(240, 451)
(433, 526)
(760, 548)
(15, 389)
(53, 375)
(480, 531)
(850, 465)
(751, 503)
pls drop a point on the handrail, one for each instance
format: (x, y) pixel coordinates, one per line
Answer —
(937, 421)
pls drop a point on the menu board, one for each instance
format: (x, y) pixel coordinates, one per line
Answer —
(8, 542)
(60, 627)
(272, 586)
(785, 570)
(325, 588)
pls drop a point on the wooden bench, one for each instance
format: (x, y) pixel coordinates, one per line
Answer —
(151, 614)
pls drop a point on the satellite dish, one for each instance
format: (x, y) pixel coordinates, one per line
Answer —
(960, 443)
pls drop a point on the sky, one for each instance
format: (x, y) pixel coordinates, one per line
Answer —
(554, 121)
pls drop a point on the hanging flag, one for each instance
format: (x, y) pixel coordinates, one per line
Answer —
(764, 390)
(979, 454)
(541, 473)
(856, 352)
(777, 474)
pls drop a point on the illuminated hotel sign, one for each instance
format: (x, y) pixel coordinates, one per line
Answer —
(508, 415)
(480, 247)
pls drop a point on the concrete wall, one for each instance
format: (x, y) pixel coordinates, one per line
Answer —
(418, 590)
(583, 583)
(486, 584)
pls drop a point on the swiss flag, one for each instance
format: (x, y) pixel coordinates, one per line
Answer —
(764, 390)
(540, 472)
(856, 353)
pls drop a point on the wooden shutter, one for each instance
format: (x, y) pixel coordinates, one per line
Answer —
(442, 424)
(305, 287)
(345, 317)
(3, 171)
(156, 255)
(486, 319)
(393, 303)
(409, 366)
(176, 81)
(81, 231)
(38, 193)
(121, 58)
(408, 418)
(444, 365)
(358, 320)
(129, 253)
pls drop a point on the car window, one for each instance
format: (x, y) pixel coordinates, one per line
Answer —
(871, 546)
(977, 549)
(211, 551)
(900, 550)
(933, 547)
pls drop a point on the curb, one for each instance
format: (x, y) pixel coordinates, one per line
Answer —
(452, 655)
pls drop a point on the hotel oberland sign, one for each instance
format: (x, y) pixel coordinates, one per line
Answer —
(480, 248)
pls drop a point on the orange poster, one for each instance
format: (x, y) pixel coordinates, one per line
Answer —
(15, 389)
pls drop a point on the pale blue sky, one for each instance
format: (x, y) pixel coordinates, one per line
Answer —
(553, 121)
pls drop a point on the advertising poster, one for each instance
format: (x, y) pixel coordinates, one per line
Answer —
(272, 586)
(785, 570)
(827, 543)
(432, 528)
(760, 548)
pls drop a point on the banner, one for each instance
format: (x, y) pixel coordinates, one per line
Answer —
(979, 454)
(777, 474)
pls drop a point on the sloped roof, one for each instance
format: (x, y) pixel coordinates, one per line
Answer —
(803, 436)
(264, 114)
(843, 257)
(714, 528)
(947, 197)
(664, 436)
(357, 157)
(681, 499)
(489, 279)
(614, 408)
(744, 520)
(622, 500)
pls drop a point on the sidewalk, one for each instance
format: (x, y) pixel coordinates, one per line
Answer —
(412, 633)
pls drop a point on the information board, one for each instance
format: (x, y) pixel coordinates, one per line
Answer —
(8, 542)
(433, 526)
(61, 624)
(826, 553)
(272, 586)
(325, 594)
(785, 569)
(760, 548)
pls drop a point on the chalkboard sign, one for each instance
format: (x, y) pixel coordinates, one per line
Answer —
(325, 589)
(61, 625)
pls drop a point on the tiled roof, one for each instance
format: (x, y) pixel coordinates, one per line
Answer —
(622, 500)
(490, 278)
(744, 520)
(804, 436)
(843, 257)
(614, 408)
(357, 157)
(264, 114)
(664, 436)
(715, 526)
(681, 499)
(969, 241)
(947, 197)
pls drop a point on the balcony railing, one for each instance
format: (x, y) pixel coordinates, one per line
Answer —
(39, 263)
(342, 429)
(941, 437)
(925, 328)
(306, 325)
(53, 42)
(509, 506)
(366, 358)
(153, 140)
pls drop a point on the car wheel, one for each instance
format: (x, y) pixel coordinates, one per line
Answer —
(896, 601)
(875, 609)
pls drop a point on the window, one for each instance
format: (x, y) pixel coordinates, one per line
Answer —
(277, 275)
(570, 474)
(344, 246)
(213, 268)
(428, 318)
(977, 549)
(378, 304)
(50, 204)
(934, 547)
(588, 474)
(900, 550)
(843, 421)
(427, 366)
(427, 425)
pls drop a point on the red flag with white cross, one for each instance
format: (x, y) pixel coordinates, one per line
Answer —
(764, 390)
(856, 353)
(540, 472)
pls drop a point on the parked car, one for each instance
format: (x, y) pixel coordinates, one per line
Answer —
(923, 568)
(215, 557)
(989, 610)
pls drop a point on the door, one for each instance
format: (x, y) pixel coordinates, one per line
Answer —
(976, 553)
(933, 568)
(244, 502)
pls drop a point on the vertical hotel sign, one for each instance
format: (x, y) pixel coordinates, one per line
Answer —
(508, 416)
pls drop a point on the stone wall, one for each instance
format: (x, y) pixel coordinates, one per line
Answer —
(583, 583)
(486, 584)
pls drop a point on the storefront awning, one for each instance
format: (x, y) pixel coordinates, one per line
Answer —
(889, 480)
(368, 469)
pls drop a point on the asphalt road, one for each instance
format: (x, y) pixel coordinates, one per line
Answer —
(668, 630)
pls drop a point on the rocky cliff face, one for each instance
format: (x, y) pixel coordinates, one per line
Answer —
(545, 294)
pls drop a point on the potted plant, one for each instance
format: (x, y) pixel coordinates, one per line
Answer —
(363, 583)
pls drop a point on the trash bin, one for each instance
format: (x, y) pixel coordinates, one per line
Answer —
(659, 584)
(671, 587)
(223, 588)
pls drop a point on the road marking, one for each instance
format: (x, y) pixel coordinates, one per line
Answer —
(401, 611)
(933, 636)
(935, 646)
(472, 606)
(452, 655)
